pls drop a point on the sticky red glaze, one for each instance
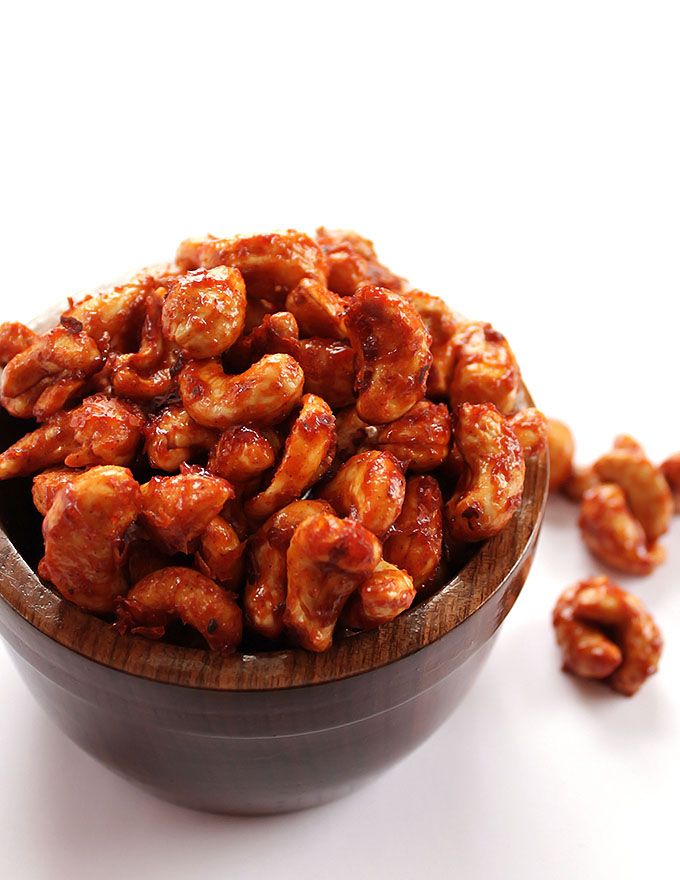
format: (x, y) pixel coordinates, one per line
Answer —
(392, 349)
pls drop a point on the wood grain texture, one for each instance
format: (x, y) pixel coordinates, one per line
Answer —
(266, 732)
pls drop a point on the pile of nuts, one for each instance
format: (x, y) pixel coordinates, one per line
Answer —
(626, 505)
(272, 435)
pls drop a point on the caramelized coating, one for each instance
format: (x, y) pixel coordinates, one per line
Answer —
(382, 597)
(578, 482)
(327, 559)
(368, 488)
(625, 441)
(671, 471)
(242, 454)
(647, 492)
(205, 311)
(485, 369)
(392, 349)
(48, 484)
(605, 632)
(352, 261)
(178, 593)
(14, 338)
(256, 311)
(612, 533)
(147, 374)
(114, 318)
(272, 264)
(441, 324)
(265, 594)
(490, 488)
(220, 554)
(105, 431)
(352, 432)
(561, 453)
(50, 373)
(586, 651)
(265, 393)
(307, 455)
(84, 532)
(414, 543)
(419, 440)
(101, 430)
(276, 334)
(328, 366)
(48, 445)
(176, 510)
(173, 438)
(317, 310)
(531, 429)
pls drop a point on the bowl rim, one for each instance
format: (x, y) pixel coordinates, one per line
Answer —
(492, 564)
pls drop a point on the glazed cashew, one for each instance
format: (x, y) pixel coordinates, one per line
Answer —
(328, 558)
(392, 350)
(101, 430)
(490, 489)
(178, 593)
(50, 373)
(382, 597)
(47, 446)
(105, 431)
(605, 632)
(352, 432)
(242, 454)
(265, 393)
(578, 482)
(114, 318)
(560, 452)
(671, 471)
(531, 429)
(352, 261)
(368, 488)
(48, 484)
(265, 594)
(318, 310)
(147, 374)
(84, 532)
(647, 492)
(177, 510)
(271, 265)
(420, 439)
(307, 455)
(173, 438)
(220, 554)
(328, 366)
(485, 369)
(14, 338)
(441, 324)
(276, 334)
(204, 312)
(414, 543)
(613, 534)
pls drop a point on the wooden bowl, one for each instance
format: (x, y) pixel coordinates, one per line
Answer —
(262, 733)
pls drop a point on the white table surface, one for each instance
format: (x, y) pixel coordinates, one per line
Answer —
(520, 160)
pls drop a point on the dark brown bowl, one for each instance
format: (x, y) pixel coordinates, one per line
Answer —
(259, 733)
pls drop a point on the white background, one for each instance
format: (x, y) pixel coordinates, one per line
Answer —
(520, 159)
